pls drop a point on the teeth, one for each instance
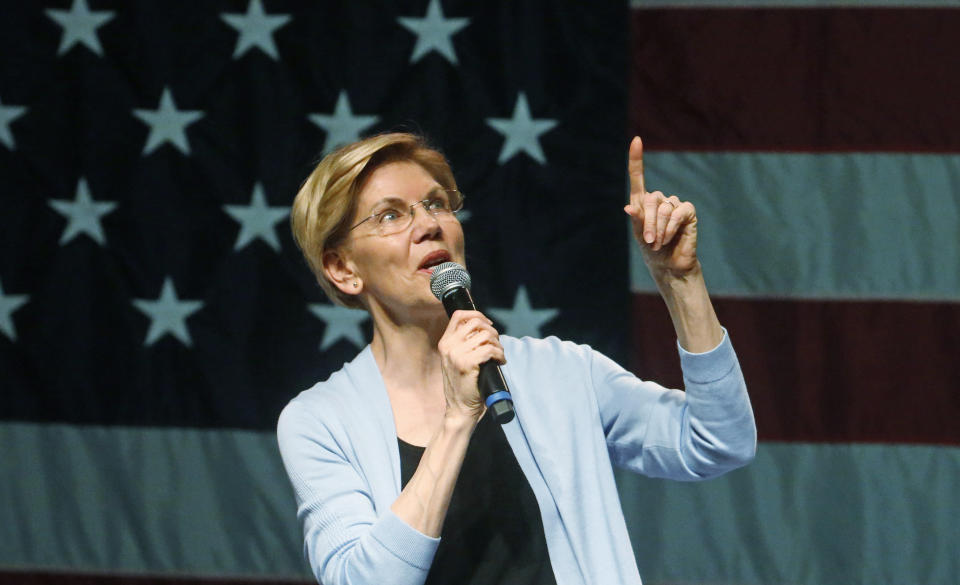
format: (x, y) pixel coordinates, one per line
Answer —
(433, 263)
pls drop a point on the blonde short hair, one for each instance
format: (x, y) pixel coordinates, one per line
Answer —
(326, 203)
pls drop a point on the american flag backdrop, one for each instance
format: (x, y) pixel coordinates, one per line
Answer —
(155, 314)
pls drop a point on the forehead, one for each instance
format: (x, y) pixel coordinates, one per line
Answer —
(403, 179)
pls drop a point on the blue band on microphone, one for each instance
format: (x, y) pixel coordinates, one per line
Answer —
(497, 397)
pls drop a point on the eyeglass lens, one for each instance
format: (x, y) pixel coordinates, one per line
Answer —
(395, 217)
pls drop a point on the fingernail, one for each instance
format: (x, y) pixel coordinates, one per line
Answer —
(648, 237)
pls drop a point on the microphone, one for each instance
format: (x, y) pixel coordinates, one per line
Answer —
(450, 283)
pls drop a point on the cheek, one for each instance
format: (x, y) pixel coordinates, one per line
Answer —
(458, 240)
(380, 259)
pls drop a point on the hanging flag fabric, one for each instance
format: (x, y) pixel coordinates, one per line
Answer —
(155, 314)
(820, 144)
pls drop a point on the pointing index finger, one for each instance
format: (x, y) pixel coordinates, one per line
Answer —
(635, 166)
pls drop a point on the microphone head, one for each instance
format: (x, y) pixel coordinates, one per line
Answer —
(447, 276)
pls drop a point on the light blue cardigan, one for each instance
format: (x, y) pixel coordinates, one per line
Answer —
(578, 413)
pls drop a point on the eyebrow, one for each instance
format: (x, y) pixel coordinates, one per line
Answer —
(394, 200)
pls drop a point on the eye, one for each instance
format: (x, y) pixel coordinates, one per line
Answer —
(438, 204)
(389, 216)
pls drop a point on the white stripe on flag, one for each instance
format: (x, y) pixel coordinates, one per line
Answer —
(827, 514)
(168, 501)
(854, 226)
(217, 503)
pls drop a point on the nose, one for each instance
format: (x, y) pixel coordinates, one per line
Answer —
(425, 224)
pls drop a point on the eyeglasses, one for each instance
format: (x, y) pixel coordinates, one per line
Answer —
(393, 215)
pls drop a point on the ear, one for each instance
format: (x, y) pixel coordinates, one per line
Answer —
(341, 272)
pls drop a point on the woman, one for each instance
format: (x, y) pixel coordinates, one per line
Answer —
(393, 452)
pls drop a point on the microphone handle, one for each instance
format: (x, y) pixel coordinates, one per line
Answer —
(493, 386)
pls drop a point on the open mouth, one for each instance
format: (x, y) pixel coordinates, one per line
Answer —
(433, 259)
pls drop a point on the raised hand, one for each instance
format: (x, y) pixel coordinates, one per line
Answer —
(664, 227)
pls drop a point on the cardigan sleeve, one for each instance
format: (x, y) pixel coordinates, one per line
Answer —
(703, 432)
(345, 541)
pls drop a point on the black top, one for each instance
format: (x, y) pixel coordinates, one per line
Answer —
(493, 532)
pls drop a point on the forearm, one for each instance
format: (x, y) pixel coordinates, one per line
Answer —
(424, 500)
(720, 432)
(694, 320)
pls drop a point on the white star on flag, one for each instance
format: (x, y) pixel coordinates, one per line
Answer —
(168, 314)
(342, 126)
(9, 304)
(257, 219)
(522, 132)
(9, 114)
(80, 25)
(83, 214)
(341, 322)
(522, 319)
(167, 124)
(433, 32)
(256, 29)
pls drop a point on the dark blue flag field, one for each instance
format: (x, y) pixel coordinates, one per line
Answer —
(155, 313)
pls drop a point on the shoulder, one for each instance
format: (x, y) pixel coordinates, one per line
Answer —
(548, 348)
(330, 400)
(562, 362)
(549, 358)
(554, 354)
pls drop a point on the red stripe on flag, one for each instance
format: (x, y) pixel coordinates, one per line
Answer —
(797, 79)
(830, 371)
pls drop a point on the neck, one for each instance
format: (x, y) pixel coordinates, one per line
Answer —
(405, 349)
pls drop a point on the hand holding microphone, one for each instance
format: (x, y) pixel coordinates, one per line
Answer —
(450, 283)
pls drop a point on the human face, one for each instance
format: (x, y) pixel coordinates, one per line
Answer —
(395, 269)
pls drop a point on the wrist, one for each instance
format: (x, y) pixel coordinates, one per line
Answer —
(694, 319)
(673, 284)
(458, 423)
